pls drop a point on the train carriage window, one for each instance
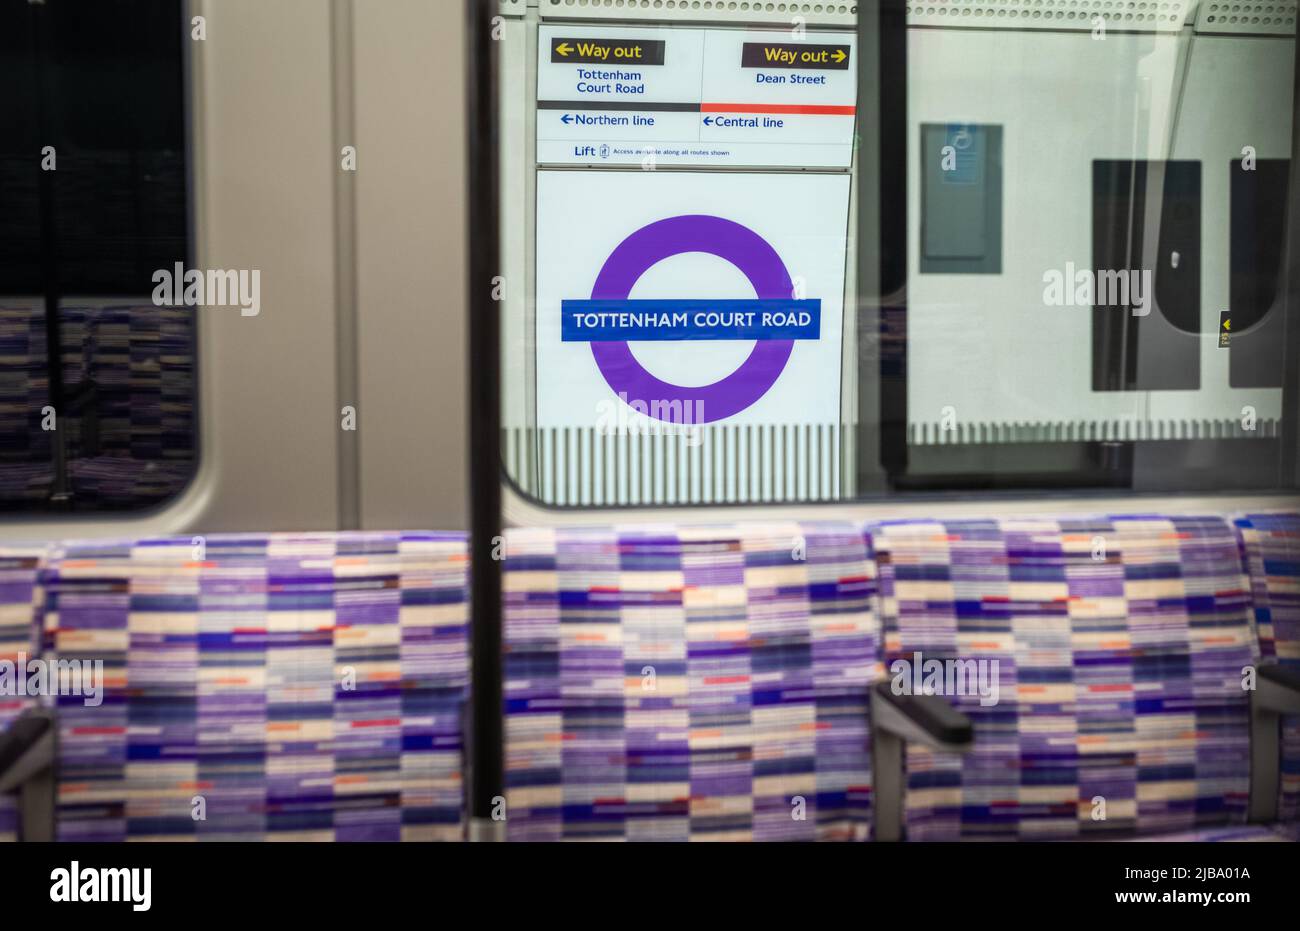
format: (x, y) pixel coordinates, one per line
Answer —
(894, 251)
(97, 388)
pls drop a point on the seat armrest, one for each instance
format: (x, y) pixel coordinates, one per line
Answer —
(897, 720)
(26, 748)
(1277, 689)
(926, 719)
(1276, 693)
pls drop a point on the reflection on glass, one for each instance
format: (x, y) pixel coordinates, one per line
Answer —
(697, 217)
(96, 381)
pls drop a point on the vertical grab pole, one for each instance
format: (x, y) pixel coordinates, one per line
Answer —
(486, 733)
(46, 108)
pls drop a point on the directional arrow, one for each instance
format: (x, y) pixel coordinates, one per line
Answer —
(564, 48)
(708, 121)
(566, 119)
(794, 55)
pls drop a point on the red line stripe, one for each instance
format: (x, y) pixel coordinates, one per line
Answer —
(824, 109)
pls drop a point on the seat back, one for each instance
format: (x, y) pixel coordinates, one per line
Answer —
(299, 686)
(20, 605)
(1270, 548)
(1119, 647)
(686, 683)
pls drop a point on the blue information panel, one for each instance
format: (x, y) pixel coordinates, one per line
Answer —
(619, 320)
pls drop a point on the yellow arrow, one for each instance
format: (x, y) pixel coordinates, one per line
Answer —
(564, 48)
(1227, 324)
(839, 56)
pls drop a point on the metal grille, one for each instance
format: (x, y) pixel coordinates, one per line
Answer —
(1058, 15)
(938, 434)
(735, 463)
(775, 12)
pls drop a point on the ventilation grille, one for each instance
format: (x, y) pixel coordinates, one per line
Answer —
(936, 434)
(716, 464)
(1269, 18)
(775, 12)
(1058, 15)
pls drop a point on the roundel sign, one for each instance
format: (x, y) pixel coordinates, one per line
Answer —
(609, 287)
(774, 318)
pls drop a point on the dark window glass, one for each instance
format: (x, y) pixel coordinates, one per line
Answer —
(92, 202)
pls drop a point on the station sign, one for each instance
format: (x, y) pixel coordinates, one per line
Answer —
(716, 297)
(695, 97)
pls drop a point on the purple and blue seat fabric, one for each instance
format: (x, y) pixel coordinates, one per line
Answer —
(278, 687)
(689, 683)
(20, 604)
(1270, 547)
(1237, 833)
(665, 683)
(1117, 646)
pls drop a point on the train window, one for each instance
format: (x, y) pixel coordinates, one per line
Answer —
(895, 251)
(93, 206)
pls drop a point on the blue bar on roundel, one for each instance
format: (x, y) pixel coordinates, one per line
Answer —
(586, 321)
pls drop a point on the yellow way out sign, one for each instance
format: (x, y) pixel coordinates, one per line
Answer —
(607, 51)
(794, 55)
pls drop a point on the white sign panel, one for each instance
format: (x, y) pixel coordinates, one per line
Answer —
(689, 298)
(707, 97)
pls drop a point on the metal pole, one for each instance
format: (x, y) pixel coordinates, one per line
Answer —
(486, 733)
(46, 117)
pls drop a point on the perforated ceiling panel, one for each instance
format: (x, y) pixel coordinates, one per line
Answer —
(764, 12)
(1268, 17)
(1067, 15)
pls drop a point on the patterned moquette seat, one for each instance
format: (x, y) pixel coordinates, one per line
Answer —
(304, 687)
(20, 602)
(1117, 648)
(686, 683)
(1270, 546)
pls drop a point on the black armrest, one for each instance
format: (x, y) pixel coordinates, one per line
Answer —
(26, 746)
(897, 720)
(1277, 689)
(1277, 692)
(927, 717)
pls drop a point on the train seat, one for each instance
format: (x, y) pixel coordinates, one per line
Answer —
(1237, 833)
(689, 683)
(20, 602)
(1270, 546)
(262, 687)
(1116, 647)
(669, 682)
